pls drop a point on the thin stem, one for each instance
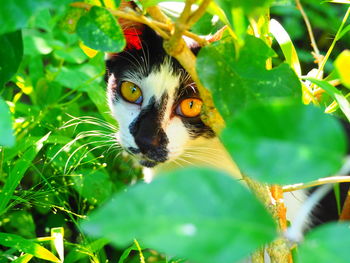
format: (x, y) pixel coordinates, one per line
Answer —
(324, 60)
(309, 29)
(326, 180)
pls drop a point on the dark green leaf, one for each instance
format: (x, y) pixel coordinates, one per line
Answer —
(327, 243)
(237, 82)
(15, 14)
(6, 132)
(11, 52)
(284, 142)
(181, 214)
(100, 30)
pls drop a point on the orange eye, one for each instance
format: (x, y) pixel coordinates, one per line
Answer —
(131, 93)
(190, 107)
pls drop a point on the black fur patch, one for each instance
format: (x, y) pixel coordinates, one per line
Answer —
(148, 134)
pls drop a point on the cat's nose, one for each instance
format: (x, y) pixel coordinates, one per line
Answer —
(150, 142)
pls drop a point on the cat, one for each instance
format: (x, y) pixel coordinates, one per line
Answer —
(157, 106)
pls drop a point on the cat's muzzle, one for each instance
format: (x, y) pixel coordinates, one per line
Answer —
(151, 157)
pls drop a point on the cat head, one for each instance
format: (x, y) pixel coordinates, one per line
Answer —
(154, 100)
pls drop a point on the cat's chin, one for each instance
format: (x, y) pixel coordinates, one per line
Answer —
(148, 163)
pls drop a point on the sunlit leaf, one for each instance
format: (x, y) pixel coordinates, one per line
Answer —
(100, 30)
(286, 45)
(27, 246)
(174, 217)
(335, 93)
(23, 259)
(342, 64)
(282, 142)
(327, 243)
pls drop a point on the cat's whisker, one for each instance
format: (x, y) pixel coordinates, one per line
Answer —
(79, 148)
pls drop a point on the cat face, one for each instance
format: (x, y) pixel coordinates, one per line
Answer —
(154, 100)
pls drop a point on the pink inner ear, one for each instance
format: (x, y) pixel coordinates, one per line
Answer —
(133, 40)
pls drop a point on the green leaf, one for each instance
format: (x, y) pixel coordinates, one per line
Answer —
(23, 259)
(6, 132)
(11, 52)
(100, 30)
(335, 94)
(249, 7)
(15, 14)
(286, 44)
(27, 246)
(93, 185)
(327, 243)
(194, 213)
(284, 142)
(237, 82)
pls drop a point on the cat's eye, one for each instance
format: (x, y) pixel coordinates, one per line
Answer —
(190, 107)
(130, 92)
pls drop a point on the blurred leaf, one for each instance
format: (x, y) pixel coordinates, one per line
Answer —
(148, 3)
(36, 43)
(79, 77)
(126, 253)
(23, 259)
(94, 185)
(174, 217)
(15, 14)
(99, 30)
(71, 54)
(70, 19)
(334, 93)
(27, 246)
(237, 82)
(17, 173)
(284, 142)
(11, 52)
(249, 7)
(6, 132)
(342, 64)
(327, 243)
(15, 222)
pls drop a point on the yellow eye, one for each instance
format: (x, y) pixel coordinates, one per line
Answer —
(131, 93)
(190, 107)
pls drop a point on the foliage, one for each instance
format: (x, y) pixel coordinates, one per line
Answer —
(59, 160)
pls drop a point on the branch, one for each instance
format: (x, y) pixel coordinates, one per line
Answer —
(317, 54)
(157, 25)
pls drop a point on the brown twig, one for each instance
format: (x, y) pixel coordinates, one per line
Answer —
(316, 52)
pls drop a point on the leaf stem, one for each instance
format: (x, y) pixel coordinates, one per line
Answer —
(324, 60)
(311, 34)
(326, 180)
